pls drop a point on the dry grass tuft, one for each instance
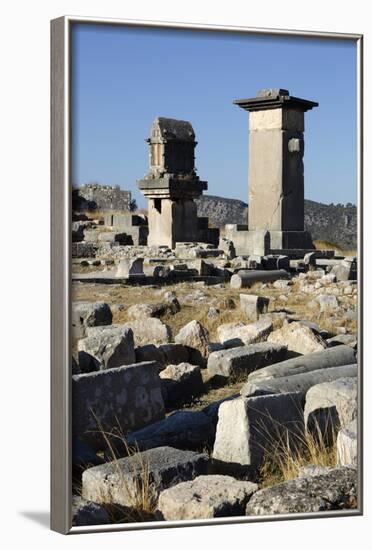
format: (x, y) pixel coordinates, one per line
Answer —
(286, 452)
(326, 245)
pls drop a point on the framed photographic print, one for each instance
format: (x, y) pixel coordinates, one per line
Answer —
(206, 296)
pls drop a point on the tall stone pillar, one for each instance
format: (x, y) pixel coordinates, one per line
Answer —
(276, 170)
(172, 185)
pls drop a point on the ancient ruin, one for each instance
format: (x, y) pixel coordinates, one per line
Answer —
(201, 364)
(276, 175)
(172, 185)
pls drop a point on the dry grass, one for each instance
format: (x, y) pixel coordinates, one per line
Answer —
(297, 303)
(326, 245)
(287, 452)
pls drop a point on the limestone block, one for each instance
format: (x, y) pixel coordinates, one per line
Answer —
(297, 337)
(181, 382)
(275, 261)
(347, 445)
(129, 266)
(86, 314)
(327, 358)
(83, 250)
(174, 354)
(239, 334)
(153, 331)
(331, 405)
(192, 430)
(129, 396)
(149, 352)
(345, 270)
(206, 497)
(111, 346)
(253, 306)
(240, 361)
(298, 382)
(121, 481)
(196, 337)
(327, 302)
(276, 119)
(335, 490)
(143, 311)
(227, 246)
(247, 428)
(85, 512)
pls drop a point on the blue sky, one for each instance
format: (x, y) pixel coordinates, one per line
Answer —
(124, 77)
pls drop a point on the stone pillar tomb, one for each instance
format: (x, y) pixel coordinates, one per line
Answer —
(172, 185)
(276, 176)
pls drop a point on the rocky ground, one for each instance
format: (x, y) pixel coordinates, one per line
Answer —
(194, 400)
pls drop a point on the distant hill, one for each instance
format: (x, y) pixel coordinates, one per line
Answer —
(327, 222)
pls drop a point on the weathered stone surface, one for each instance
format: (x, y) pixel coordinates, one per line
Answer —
(164, 354)
(313, 470)
(245, 279)
(149, 352)
(206, 497)
(345, 270)
(227, 246)
(343, 339)
(282, 284)
(174, 354)
(298, 382)
(347, 445)
(171, 301)
(247, 428)
(213, 313)
(211, 410)
(335, 357)
(129, 266)
(181, 382)
(242, 360)
(253, 306)
(129, 396)
(192, 430)
(153, 331)
(142, 311)
(112, 347)
(336, 490)
(327, 302)
(194, 336)
(83, 250)
(240, 334)
(120, 481)
(331, 405)
(86, 314)
(204, 268)
(297, 337)
(85, 512)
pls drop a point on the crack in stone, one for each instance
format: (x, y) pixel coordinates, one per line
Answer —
(280, 199)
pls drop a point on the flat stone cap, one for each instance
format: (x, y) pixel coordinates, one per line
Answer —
(171, 129)
(274, 98)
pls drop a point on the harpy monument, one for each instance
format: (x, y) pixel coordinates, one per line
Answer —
(275, 176)
(171, 186)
